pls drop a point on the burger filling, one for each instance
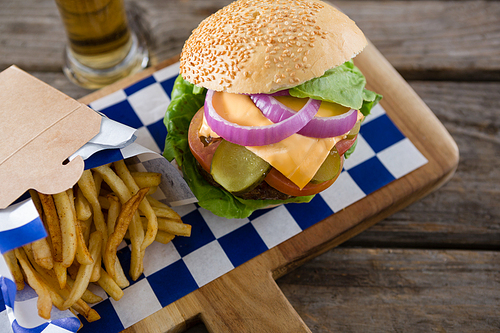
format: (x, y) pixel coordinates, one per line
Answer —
(299, 165)
(278, 148)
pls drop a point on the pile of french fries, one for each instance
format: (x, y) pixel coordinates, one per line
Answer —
(85, 226)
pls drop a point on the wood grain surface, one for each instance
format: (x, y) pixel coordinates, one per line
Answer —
(432, 266)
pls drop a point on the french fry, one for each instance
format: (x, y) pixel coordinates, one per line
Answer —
(73, 270)
(17, 274)
(29, 254)
(44, 302)
(86, 311)
(85, 226)
(109, 285)
(71, 198)
(152, 190)
(61, 273)
(28, 249)
(88, 187)
(56, 299)
(80, 306)
(154, 202)
(146, 179)
(137, 256)
(175, 227)
(164, 237)
(85, 271)
(162, 210)
(113, 212)
(42, 253)
(114, 182)
(97, 182)
(96, 271)
(129, 209)
(67, 223)
(82, 206)
(52, 223)
(82, 254)
(136, 230)
(52, 288)
(168, 213)
(103, 201)
(120, 278)
(123, 172)
(87, 296)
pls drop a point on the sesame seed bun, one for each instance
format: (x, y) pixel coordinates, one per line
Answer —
(262, 46)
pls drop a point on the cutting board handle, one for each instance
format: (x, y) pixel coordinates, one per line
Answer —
(248, 301)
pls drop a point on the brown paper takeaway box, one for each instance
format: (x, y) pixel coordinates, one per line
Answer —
(40, 128)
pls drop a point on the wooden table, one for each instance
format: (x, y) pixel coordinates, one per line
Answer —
(433, 266)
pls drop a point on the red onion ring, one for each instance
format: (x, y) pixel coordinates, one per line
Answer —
(259, 135)
(318, 127)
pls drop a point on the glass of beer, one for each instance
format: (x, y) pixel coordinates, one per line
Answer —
(102, 48)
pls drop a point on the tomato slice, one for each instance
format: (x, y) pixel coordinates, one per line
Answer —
(276, 179)
(202, 153)
(344, 145)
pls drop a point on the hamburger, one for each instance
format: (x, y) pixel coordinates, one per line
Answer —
(267, 105)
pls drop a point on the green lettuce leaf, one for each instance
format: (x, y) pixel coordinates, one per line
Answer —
(370, 99)
(186, 101)
(180, 111)
(344, 85)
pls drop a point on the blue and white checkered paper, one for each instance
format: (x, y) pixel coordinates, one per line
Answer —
(217, 245)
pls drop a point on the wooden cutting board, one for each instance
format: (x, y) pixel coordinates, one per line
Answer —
(247, 299)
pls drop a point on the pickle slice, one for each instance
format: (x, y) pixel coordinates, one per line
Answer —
(236, 168)
(329, 169)
(354, 131)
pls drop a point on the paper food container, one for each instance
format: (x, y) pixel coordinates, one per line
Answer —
(47, 140)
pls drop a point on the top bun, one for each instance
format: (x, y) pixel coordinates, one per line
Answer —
(260, 46)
